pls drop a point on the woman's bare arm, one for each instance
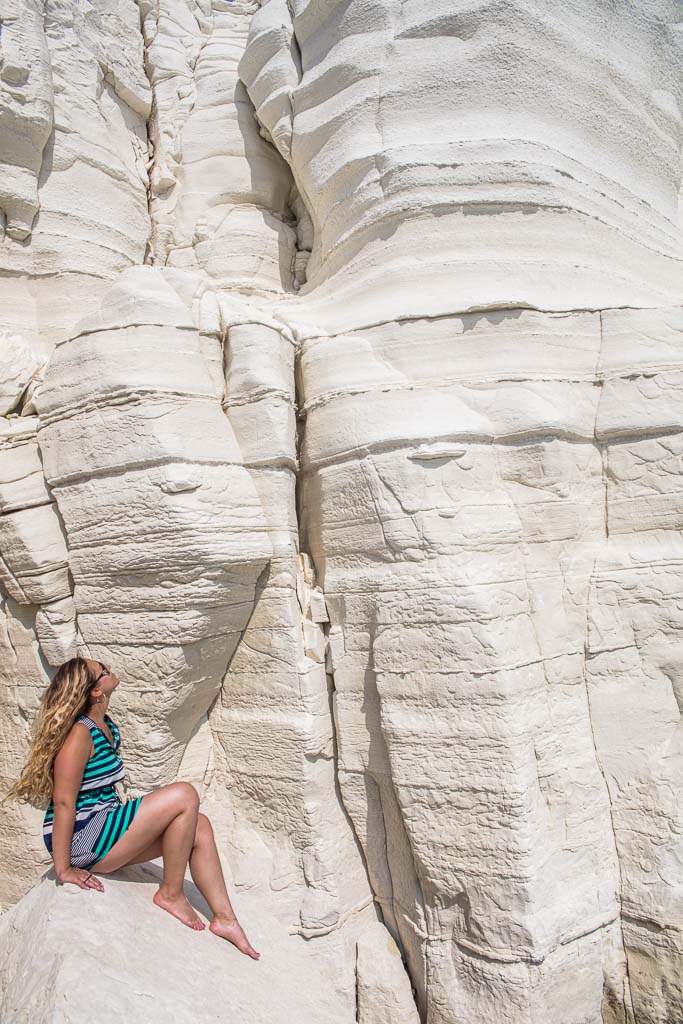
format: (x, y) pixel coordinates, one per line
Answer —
(69, 766)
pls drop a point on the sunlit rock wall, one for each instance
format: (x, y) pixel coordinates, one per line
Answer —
(74, 100)
(341, 376)
(488, 486)
(461, 155)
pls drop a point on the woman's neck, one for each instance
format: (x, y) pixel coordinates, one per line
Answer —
(97, 712)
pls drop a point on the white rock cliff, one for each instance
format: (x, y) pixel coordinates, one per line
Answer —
(341, 408)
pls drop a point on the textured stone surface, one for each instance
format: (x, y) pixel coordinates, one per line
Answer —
(358, 451)
(439, 173)
(73, 132)
(73, 940)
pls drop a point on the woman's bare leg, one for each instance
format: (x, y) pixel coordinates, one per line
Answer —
(207, 874)
(171, 808)
(162, 828)
(149, 853)
(176, 847)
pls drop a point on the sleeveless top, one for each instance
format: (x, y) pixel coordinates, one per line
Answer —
(103, 769)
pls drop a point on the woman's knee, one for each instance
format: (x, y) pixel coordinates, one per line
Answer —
(204, 831)
(185, 794)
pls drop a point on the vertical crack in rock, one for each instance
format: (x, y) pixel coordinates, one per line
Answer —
(394, 926)
(295, 48)
(146, 9)
(604, 455)
(394, 792)
(329, 668)
(626, 994)
(303, 227)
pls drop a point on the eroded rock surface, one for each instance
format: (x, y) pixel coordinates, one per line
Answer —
(341, 381)
(74, 942)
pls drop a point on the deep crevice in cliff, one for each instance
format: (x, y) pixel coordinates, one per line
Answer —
(304, 545)
(630, 1017)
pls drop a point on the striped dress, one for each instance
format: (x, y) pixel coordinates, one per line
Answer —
(101, 816)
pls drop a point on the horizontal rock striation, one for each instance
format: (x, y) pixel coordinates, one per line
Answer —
(165, 529)
(340, 385)
(439, 174)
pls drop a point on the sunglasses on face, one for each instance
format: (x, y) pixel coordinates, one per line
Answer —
(105, 671)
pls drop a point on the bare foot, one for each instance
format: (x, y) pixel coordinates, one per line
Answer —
(229, 928)
(180, 908)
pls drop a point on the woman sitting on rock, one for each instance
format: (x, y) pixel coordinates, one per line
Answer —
(74, 763)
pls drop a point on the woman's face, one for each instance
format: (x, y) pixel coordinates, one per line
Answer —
(107, 680)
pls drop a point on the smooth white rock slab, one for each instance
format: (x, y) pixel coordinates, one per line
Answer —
(67, 954)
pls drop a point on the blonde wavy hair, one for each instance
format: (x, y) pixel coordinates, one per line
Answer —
(67, 697)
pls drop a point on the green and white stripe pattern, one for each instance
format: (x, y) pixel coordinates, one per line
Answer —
(101, 817)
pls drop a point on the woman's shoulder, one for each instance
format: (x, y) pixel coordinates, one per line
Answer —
(82, 721)
(81, 725)
(78, 738)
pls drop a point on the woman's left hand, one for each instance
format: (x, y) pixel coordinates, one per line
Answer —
(79, 876)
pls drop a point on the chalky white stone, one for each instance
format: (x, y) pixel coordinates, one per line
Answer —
(67, 934)
(358, 453)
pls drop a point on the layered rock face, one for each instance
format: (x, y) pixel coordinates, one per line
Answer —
(74, 101)
(368, 481)
(460, 155)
